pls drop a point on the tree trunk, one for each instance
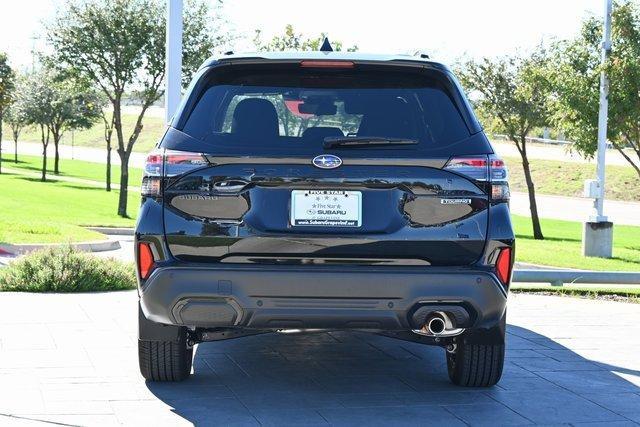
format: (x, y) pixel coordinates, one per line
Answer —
(45, 143)
(56, 160)
(15, 148)
(124, 183)
(629, 159)
(108, 134)
(535, 219)
(124, 158)
(108, 166)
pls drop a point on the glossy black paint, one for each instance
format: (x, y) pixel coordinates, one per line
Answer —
(403, 214)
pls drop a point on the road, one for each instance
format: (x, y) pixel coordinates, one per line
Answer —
(71, 359)
(556, 152)
(575, 208)
(88, 154)
(556, 207)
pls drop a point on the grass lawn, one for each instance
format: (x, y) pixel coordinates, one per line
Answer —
(75, 168)
(153, 128)
(35, 212)
(562, 246)
(567, 178)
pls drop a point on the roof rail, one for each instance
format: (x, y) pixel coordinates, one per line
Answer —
(421, 54)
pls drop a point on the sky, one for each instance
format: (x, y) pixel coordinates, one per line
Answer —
(445, 29)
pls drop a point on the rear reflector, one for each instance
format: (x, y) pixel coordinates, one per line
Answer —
(145, 259)
(503, 266)
(327, 64)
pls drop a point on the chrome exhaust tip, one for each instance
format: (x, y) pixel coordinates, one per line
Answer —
(436, 325)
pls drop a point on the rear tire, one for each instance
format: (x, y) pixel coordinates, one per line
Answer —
(165, 360)
(476, 365)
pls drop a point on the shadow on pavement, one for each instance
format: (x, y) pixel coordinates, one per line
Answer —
(357, 378)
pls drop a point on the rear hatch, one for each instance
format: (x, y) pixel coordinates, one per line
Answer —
(294, 163)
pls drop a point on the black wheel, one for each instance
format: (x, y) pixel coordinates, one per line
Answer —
(476, 365)
(165, 360)
(479, 357)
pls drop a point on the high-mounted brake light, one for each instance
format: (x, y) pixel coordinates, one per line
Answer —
(327, 64)
(145, 259)
(489, 169)
(503, 266)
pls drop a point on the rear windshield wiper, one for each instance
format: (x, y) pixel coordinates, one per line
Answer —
(365, 141)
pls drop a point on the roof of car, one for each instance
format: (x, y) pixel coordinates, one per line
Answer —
(317, 55)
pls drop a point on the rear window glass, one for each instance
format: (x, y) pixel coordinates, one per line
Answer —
(293, 112)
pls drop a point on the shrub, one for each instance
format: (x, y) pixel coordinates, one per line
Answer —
(64, 269)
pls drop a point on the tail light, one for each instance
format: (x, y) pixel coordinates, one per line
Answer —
(503, 266)
(490, 170)
(145, 259)
(166, 164)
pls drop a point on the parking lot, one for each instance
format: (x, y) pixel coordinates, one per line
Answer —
(71, 360)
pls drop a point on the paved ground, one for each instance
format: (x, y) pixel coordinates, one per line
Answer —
(71, 360)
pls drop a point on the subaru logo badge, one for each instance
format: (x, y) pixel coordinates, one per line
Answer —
(327, 161)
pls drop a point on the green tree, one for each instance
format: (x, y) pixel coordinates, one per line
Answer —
(75, 106)
(574, 78)
(57, 104)
(513, 92)
(290, 40)
(36, 101)
(16, 118)
(120, 46)
(7, 85)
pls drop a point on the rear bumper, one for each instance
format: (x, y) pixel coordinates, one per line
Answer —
(334, 298)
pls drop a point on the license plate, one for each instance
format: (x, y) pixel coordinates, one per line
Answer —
(327, 208)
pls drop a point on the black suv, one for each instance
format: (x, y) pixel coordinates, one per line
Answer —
(324, 191)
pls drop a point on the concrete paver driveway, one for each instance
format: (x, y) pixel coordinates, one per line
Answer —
(71, 360)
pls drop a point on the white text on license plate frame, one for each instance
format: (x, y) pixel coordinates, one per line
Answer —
(326, 208)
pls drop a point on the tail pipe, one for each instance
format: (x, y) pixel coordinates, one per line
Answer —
(436, 324)
(436, 321)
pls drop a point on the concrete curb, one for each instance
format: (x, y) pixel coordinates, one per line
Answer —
(97, 246)
(113, 231)
(569, 277)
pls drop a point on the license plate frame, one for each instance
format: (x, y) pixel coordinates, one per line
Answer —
(326, 208)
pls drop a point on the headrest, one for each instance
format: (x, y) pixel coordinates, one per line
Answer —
(255, 117)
